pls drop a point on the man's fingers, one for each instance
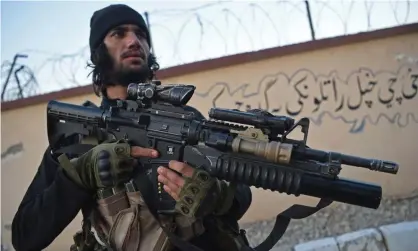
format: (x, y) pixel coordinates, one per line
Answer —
(174, 188)
(137, 151)
(171, 193)
(181, 167)
(171, 176)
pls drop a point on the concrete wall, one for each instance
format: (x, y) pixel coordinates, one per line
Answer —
(362, 99)
(393, 237)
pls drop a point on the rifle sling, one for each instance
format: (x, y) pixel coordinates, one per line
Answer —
(283, 219)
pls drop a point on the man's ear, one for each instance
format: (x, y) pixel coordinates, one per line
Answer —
(94, 57)
(152, 63)
(97, 53)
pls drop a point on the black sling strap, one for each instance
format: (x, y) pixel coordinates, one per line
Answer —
(283, 219)
(143, 184)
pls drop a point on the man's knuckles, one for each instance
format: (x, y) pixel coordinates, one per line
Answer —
(103, 161)
(103, 154)
(111, 167)
(122, 149)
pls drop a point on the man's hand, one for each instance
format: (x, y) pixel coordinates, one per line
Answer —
(106, 165)
(196, 192)
(173, 183)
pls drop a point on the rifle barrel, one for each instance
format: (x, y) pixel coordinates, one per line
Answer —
(371, 164)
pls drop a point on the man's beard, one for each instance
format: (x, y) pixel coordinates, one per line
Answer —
(124, 76)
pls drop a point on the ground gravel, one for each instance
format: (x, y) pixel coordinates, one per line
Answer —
(337, 220)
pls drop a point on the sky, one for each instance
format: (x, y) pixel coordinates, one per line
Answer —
(53, 34)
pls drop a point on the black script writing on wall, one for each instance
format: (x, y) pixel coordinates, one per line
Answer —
(365, 95)
(12, 150)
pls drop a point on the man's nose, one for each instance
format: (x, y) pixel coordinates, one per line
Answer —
(132, 40)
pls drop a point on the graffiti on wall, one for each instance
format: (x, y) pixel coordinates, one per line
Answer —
(364, 97)
(11, 152)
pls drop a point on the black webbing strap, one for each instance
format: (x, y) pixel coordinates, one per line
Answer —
(283, 220)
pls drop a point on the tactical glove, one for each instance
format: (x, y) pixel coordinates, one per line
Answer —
(202, 195)
(106, 165)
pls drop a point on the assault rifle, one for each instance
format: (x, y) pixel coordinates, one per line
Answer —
(251, 148)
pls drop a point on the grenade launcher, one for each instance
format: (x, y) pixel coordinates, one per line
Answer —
(250, 148)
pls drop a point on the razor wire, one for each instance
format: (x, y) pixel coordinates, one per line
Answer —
(222, 28)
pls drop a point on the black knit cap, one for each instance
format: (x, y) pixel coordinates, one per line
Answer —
(105, 19)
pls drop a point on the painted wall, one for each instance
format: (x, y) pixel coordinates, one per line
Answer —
(362, 99)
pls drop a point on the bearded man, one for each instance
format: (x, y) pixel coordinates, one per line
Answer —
(120, 219)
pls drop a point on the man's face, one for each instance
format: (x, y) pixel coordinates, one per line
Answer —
(127, 46)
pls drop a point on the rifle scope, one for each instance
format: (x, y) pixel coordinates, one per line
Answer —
(173, 94)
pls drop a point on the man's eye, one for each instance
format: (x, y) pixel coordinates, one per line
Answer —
(118, 33)
(141, 34)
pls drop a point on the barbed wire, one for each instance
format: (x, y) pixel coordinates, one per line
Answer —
(21, 81)
(227, 27)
